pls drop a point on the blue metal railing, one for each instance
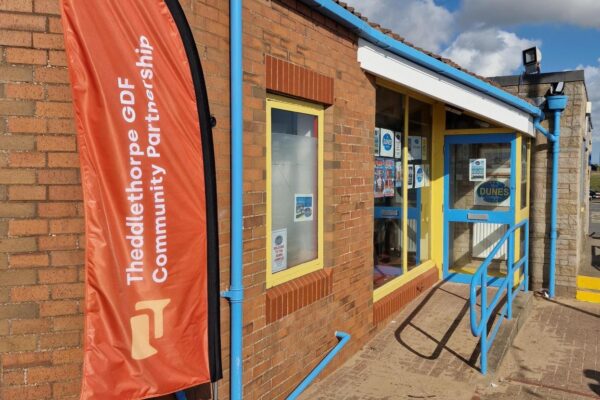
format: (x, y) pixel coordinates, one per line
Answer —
(507, 289)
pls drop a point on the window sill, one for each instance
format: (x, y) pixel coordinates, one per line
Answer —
(291, 296)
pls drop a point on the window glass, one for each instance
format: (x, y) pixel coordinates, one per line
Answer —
(294, 188)
(456, 119)
(387, 186)
(524, 170)
(420, 116)
(480, 176)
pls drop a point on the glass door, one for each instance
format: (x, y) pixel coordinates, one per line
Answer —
(479, 201)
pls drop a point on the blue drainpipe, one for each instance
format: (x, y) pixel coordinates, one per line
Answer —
(556, 104)
(235, 294)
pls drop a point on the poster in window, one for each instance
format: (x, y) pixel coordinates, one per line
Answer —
(398, 146)
(419, 176)
(477, 169)
(376, 142)
(279, 250)
(386, 147)
(390, 170)
(414, 148)
(409, 184)
(304, 207)
(493, 192)
(399, 174)
(379, 178)
(424, 148)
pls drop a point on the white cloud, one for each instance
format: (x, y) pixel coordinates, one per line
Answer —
(421, 22)
(488, 51)
(584, 13)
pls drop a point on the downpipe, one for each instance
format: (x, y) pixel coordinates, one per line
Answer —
(556, 105)
(235, 294)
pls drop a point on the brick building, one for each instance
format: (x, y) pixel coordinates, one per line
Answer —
(369, 231)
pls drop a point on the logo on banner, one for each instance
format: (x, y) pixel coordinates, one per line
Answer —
(140, 327)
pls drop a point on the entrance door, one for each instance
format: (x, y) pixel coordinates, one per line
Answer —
(479, 202)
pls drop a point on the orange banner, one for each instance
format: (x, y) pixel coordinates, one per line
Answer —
(143, 126)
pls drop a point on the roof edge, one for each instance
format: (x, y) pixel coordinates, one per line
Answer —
(335, 11)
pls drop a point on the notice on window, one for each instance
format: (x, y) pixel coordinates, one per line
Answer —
(414, 148)
(493, 192)
(424, 148)
(279, 250)
(390, 171)
(419, 176)
(379, 177)
(399, 176)
(386, 138)
(477, 169)
(376, 142)
(304, 207)
(398, 145)
(411, 169)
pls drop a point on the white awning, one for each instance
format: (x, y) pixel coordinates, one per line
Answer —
(384, 64)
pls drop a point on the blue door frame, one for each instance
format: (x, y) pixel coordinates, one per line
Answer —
(458, 215)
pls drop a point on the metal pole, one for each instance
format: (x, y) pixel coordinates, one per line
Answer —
(235, 294)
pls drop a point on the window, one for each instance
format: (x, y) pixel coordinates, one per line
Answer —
(401, 186)
(294, 189)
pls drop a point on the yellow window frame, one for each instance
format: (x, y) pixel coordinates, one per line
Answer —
(298, 106)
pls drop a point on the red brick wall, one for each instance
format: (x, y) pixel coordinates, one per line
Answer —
(41, 220)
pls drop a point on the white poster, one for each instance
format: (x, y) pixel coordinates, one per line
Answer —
(409, 184)
(304, 207)
(398, 145)
(419, 176)
(414, 148)
(477, 169)
(399, 176)
(376, 141)
(279, 250)
(386, 138)
(424, 149)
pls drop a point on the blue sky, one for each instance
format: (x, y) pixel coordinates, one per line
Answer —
(487, 36)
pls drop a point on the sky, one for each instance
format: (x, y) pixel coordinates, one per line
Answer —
(487, 36)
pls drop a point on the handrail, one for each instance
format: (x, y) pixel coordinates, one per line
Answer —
(507, 287)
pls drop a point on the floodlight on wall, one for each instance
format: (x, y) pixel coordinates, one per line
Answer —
(557, 88)
(532, 58)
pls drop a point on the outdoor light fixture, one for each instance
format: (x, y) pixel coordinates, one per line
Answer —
(557, 88)
(532, 58)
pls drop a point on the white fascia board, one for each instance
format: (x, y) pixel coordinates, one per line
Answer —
(394, 68)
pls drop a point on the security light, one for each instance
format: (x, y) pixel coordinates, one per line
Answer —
(532, 58)
(557, 88)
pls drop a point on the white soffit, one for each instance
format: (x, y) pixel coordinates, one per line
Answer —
(394, 68)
